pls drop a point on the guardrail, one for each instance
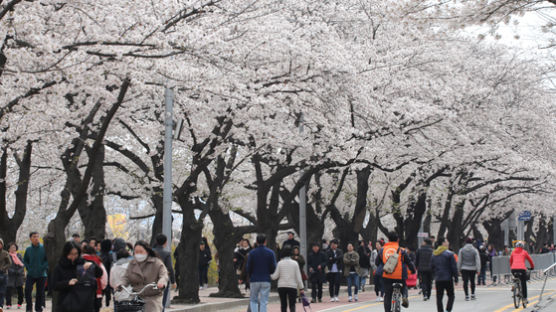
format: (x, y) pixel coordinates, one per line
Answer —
(502, 273)
(551, 270)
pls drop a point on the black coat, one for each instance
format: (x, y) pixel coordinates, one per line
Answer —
(314, 260)
(63, 273)
(364, 257)
(16, 274)
(337, 258)
(204, 257)
(423, 259)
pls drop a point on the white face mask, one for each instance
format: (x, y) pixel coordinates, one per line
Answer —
(140, 257)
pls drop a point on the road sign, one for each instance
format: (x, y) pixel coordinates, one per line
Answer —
(423, 234)
(524, 215)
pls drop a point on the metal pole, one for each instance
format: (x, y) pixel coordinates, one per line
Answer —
(554, 229)
(303, 209)
(167, 196)
(520, 230)
(507, 232)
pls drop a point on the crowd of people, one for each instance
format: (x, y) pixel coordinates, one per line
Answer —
(87, 272)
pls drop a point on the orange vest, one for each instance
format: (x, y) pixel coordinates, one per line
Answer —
(388, 250)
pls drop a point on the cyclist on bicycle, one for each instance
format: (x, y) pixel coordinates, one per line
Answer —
(518, 267)
(399, 275)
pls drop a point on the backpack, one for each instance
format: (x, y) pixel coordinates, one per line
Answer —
(82, 295)
(391, 263)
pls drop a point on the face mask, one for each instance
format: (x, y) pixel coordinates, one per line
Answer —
(140, 257)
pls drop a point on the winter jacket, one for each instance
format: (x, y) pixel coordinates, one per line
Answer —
(364, 257)
(288, 275)
(404, 261)
(469, 259)
(291, 242)
(240, 255)
(444, 265)
(314, 260)
(102, 281)
(374, 256)
(300, 262)
(261, 262)
(351, 263)
(166, 257)
(35, 261)
(139, 274)
(204, 257)
(119, 270)
(5, 261)
(423, 259)
(518, 258)
(119, 243)
(64, 272)
(16, 274)
(335, 257)
(484, 258)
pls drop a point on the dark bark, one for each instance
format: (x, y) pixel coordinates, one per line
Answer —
(93, 216)
(495, 233)
(455, 230)
(157, 202)
(529, 229)
(413, 218)
(10, 226)
(370, 232)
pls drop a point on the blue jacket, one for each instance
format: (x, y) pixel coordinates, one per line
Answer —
(444, 265)
(35, 261)
(261, 262)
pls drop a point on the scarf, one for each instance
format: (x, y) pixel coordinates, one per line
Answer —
(440, 250)
(15, 259)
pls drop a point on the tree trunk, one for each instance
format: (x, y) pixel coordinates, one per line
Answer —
(370, 232)
(455, 230)
(94, 215)
(413, 219)
(495, 233)
(444, 222)
(157, 202)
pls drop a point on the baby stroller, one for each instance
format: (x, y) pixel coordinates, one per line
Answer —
(136, 304)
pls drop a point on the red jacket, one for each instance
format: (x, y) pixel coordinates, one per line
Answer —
(517, 259)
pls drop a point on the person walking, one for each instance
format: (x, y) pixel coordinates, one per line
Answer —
(37, 265)
(204, 262)
(484, 261)
(119, 269)
(240, 259)
(144, 269)
(518, 266)
(291, 241)
(364, 264)
(107, 260)
(491, 251)
(377, 276)
(399, 274)
(297, 257)
(289, 279)
(423, 262)
(335, 265)
(261, 262)
(90, 254)
(5, 264)
(316, 263)
(75, 281)
(469, 265)
(16, 276)
(351, 271)
(166, 257)
(445, 274)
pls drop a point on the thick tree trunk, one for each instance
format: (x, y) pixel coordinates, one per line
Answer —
(444, 222)
(94, 215)
(413, 219)
(157, 202)
(370, 232)
(188, 257)
(455, 230)
(495, 233)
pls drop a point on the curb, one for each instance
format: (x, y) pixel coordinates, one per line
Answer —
(219, 306)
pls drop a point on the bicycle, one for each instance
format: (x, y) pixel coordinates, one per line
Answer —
(397, 297)
(517, 291)
(136, 304)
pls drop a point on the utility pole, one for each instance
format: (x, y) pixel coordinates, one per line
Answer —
(302, 208)
(167, 195)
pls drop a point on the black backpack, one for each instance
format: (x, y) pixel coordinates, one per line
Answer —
(82, 295)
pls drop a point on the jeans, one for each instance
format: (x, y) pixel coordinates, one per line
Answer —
(523, 277)
(3, 287)
(442, 286)
(334, 280)
(353, 280)
(287, 298)
(165, 296)
(468, 276)
(379, 285)
(363, 277)
(19, 295)
(482, 276)
(389, 289)
(426, 283)
(39, 296)
(259, 296)
(316, 289)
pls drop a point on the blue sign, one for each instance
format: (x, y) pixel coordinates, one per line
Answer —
(524, 215)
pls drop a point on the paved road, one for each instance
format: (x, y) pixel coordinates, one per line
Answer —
(491, 299)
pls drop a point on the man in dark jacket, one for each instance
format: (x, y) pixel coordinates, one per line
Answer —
(484, 260)
(335, 265)
(291, 241)
(316, 263)
(261, 263)
(423, 262)
(445, 271)
(36, 265)
(5, 264)
(164, 255)
(364, 263)
(204, 261)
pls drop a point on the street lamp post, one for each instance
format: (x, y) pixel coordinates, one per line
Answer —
(167, 195)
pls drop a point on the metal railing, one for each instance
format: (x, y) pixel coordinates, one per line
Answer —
(502, 272)
(551, 270)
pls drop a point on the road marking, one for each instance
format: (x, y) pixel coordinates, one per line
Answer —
(362, 307)
(532, 303)
(509, 306)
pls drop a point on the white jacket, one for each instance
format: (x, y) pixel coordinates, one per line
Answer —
(288, 275)
(117, 274)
